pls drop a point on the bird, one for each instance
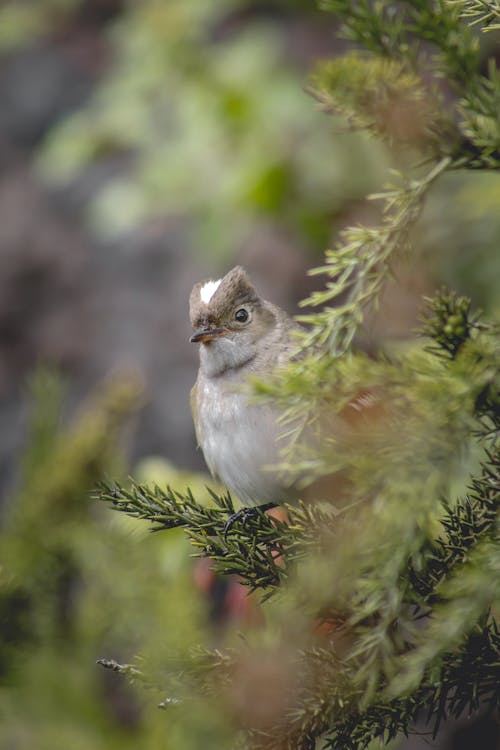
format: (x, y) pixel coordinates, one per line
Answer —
(240, 335)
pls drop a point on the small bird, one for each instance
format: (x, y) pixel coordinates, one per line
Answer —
(240, 335)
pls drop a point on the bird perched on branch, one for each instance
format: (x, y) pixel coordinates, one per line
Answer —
(240, 334)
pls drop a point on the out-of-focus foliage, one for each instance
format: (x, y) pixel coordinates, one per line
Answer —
(213, 124)
(383, 96)
(76, 584)
(460, 233)
(205, 116)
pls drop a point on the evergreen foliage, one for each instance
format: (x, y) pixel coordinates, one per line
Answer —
(482, 12)
(76, 581)
(380, 598)
(435, 564)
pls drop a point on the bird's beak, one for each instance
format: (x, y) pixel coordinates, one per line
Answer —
(207, 334)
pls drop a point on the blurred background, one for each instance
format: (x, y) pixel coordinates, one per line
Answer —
(145, 146)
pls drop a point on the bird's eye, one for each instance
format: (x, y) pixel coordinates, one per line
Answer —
(241, 315)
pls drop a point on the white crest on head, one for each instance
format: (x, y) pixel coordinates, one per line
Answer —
(208, 290)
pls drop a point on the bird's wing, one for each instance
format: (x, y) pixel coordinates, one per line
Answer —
(193, 402)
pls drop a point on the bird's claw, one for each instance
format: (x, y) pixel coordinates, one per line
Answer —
(244, 515)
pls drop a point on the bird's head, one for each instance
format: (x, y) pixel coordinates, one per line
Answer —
(229, 318)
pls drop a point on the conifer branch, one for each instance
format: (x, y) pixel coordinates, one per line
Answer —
(397, 36)
(465, 681)
(397, 30)
(464, 525)
(448, 323)
(386, 98)
(468, 594)
(128, 670)
(328, 707)
(360, 264)
(261, 549)
(483, 13)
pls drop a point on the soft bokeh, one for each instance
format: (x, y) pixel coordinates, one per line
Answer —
(144, 146)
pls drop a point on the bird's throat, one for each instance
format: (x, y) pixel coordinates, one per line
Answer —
(223, 355)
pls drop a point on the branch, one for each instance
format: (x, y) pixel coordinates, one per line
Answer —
(358, 266)
(484, 13)
(467, 681)
(261, 549)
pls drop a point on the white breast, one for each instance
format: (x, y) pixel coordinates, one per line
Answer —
(240, 442)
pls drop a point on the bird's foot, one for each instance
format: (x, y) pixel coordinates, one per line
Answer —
(246, 514)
